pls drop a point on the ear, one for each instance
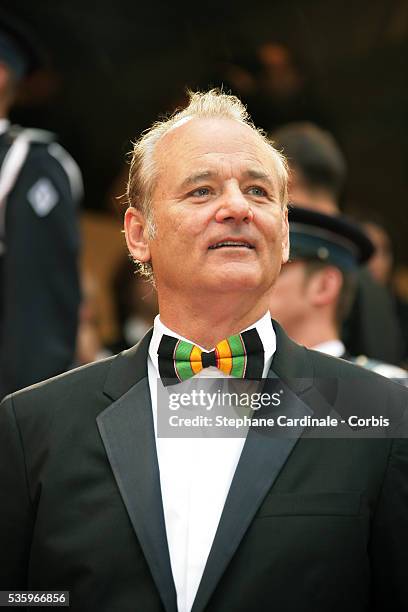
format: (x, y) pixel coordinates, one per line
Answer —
(136, 235)
(327, 284)
(285, 237)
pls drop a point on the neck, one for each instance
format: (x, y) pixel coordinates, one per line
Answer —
(207, 323)
(310, 333)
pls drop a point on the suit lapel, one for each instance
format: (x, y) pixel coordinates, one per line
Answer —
(262, 455)
(127, 432)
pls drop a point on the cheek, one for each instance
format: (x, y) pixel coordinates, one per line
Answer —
(183, 226)
(271, 224)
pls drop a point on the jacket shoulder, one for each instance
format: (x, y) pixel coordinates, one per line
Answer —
(326, 365)
(73, 386)
(366, 383)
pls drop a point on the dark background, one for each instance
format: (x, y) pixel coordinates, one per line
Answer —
(117, 65)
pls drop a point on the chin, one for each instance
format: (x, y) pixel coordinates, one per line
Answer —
(225, 281)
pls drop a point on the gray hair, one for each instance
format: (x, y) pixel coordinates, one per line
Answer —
(143, 172)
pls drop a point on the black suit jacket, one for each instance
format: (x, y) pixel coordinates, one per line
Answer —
(308, 524)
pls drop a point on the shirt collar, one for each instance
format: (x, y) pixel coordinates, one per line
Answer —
(335, 348)
(263, 327)
(4, 125)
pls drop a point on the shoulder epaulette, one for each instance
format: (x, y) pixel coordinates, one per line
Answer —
(21, 139)
(380, 367)
(32, 135)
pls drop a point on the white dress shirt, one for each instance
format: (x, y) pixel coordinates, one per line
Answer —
(335, 348)
(195, 476)
(4, 125)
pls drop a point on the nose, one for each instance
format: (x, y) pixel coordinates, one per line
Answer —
(234, 206)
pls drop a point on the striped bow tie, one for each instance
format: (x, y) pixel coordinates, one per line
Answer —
(241, 355)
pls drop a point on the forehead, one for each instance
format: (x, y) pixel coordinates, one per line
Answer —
(215, 143)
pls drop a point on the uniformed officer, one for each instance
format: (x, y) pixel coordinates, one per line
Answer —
(318, 176)
(40, 186)
(315, 290)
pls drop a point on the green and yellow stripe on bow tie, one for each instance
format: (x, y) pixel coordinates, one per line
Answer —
(241, 355)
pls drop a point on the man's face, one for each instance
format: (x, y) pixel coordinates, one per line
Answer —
(219, 222)
(289, 300)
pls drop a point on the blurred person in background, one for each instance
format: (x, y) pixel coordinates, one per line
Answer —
(318, 175)
(40, 187)
(274, 81)
(315, 290)
(135, 301)
(381, 266)
(134, 304)
(89, 346)
(381, 262)
(318, 168)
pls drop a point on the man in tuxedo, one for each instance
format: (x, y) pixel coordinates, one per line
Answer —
(94, 501)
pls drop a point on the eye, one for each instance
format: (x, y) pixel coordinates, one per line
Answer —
(201, 192)
(259, 192)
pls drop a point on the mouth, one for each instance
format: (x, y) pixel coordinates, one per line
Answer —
(231, 244)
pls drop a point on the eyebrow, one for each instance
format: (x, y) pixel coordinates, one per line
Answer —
(258, 175)
(198, 177)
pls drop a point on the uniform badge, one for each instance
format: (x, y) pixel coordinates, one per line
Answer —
(43, 197)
